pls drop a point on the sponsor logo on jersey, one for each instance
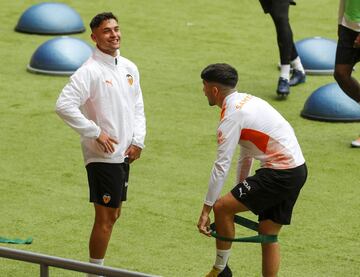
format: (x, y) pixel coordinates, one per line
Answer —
(220, 137)
(109, 83)
(130, 79)
(106, 198)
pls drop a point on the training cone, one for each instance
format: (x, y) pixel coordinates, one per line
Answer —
(330, 103)
(60, 56)
(317, 55)
(50, 19)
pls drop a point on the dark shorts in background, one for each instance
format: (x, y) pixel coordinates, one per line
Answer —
(108, 183)
(271, 194)
(345, 51)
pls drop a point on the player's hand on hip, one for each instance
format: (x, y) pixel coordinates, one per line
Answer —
(133, 153)
(106, 142)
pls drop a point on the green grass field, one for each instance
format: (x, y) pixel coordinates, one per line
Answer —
(43, 186)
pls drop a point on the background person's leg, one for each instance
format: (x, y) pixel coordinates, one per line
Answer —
(348, 84)
(280, 15)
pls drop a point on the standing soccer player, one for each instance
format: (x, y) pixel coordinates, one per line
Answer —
(103, 103)
(279, 11)
(348, 50)
(263, 134)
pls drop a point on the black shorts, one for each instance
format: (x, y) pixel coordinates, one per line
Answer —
(267, 5)
(345, 51)
(271, 194)
(108, 183)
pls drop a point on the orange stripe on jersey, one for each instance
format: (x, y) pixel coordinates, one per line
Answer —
(223, 109)
(258, 138)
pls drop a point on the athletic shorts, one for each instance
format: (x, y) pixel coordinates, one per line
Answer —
(108, 183)
(267, 4)
(271, 194)
(345, 51)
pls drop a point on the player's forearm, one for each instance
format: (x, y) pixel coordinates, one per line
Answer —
(206, 210)
(77, 121)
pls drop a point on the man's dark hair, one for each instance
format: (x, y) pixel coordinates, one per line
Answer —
(221, 73)
(99, 18)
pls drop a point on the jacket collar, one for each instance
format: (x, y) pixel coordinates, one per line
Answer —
(106, 58)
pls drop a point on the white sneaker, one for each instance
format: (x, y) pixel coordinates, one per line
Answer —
(356, 143)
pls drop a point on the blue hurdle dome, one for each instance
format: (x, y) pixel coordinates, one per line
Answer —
(60, 56)
(50, 18)
(330, 103)
(317, 55)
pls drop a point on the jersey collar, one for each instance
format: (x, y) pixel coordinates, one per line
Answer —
(108, 59)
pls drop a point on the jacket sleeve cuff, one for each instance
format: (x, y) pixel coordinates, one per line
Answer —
(209, 203)
(138, 144)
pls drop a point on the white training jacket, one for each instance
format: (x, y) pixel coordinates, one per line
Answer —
(104, 94)
(262, 133)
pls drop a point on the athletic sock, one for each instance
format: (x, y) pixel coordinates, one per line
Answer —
(98, 262)
(222, 257)
(296, 64)
(285, 71)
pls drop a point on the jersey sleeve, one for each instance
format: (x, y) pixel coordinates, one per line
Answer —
(228, 136)
(244, 165)
(140, 121)
(73, 95)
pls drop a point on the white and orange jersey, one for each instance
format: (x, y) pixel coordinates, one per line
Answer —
(262, 133)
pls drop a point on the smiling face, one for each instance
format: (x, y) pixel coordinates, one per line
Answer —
(107, 36)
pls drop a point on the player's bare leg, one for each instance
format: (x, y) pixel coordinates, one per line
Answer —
(348, 84)
(270, 251)
(224, 210)
(105, 219)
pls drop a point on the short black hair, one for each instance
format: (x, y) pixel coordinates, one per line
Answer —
(221, 73)
(99, 18)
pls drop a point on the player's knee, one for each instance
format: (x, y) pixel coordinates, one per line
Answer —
(117, 215)
(103, 226)
(268, 227)
(340, 76)
(219, 207)
(337, 75)
(107, 222)
(114, 217)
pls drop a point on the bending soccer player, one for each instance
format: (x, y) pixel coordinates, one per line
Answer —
(103, 102)
(263, 134)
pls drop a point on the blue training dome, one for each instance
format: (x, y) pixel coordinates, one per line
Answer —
(330, 103)
(50, 18)
(60, 56)
(317, 55)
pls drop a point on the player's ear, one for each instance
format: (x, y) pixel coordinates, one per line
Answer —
(93, 37)
(215, 90)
